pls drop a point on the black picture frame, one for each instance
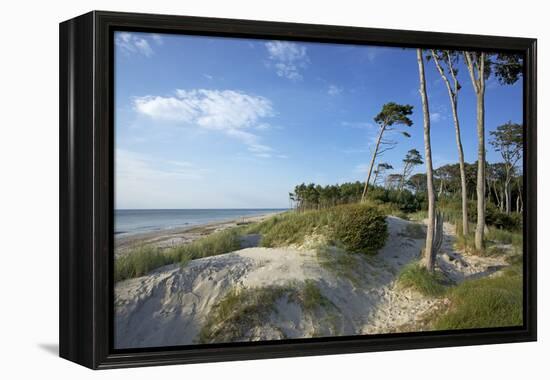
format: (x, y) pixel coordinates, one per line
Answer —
(86, 189)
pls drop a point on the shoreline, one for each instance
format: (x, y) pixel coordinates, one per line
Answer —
(172, 237)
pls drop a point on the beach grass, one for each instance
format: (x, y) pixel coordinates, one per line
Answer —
(238, 312)
(417, 277)
(242, 310)
(488, 302)
(146, 258)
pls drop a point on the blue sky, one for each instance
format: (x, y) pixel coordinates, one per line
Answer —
(205, 122)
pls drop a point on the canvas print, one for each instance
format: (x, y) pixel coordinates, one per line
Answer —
(269, 190)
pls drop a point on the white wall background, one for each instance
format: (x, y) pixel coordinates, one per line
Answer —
(29, 186)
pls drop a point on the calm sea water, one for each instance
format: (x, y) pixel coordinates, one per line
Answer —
(138, 221)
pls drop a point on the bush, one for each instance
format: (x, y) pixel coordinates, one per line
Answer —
(403, 200)
(360, 228)
(494, 217)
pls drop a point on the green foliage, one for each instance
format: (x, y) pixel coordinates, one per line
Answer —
(498, 235)
(495, 217)
(402, 200)
(360, 228)
(394, 114)
(416, 276)
(487, 302)
(144, 259)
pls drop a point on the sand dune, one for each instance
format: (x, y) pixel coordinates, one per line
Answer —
(171, 305)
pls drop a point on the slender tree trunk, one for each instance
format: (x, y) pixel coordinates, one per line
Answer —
(373, 159)
(520, 197)
(402, 182)
(479, 88)
(508, 196)
(375, 178)
(480, 227)
(496, 193)
(454, 108)
(429, 251)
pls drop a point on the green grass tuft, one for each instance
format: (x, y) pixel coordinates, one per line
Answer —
(488, 302)
(417, 277)
(144, 259)
(241, 310)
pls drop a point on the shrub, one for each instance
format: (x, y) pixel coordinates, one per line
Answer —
(496, 218)
(403, 200)
(360, 228)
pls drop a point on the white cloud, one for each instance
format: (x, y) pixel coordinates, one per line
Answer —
(131, 43)
(228, 111)
(289, 58)
(157, 38)
(334, 90)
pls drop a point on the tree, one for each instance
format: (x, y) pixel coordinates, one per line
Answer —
(507, 69)
(449, 59)
(412, 158)
(430, 251)
(381, 168)
(393, 181)
(391, 116)
(508, 140)
(417, 183)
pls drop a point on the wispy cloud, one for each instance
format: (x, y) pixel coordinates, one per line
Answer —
(231, 112)
(137, 166)
(361, 168)
(435, 117)
(288, 58)
(357, 124)
(131, 43)
(334, 90)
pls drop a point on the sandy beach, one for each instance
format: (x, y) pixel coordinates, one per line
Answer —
(176, 236)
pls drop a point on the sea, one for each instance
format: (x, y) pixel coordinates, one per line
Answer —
(129, 222)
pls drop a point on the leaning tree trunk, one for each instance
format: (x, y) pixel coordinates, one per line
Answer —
(430, 249)
(373, 159)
